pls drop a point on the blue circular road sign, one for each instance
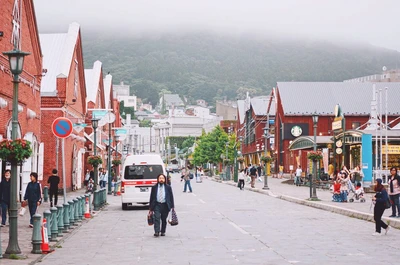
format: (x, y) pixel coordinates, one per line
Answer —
(62, 127)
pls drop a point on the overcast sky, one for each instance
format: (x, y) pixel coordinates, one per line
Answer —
(372, 21)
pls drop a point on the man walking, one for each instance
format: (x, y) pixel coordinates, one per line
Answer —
(298, 176)
(187, 177)
(54, 180)
(161, 202)
(5, 196)
(253, 175)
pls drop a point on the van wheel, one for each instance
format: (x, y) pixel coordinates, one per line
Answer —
(124, 206)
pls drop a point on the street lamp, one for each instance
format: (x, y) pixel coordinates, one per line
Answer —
(16, 60)
(235, 176)
(116, 138)
(266, 136)
(95, 125)
(313, 190)
(226, 160)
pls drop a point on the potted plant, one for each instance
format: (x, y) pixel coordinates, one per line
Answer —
(267, 159)
(240, 159)
(15, 151)
(94, 160)
(116, 162)
(314, 156)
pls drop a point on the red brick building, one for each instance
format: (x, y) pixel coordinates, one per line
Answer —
(19, 29)
(63, 94)
(294, 129)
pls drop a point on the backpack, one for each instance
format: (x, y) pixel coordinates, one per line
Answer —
(191, 175)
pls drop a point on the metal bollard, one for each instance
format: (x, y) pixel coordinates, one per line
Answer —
(66, 217)
(46, 194)
(60, 217)
(36, 234)
(54, 224)
(47, 216)
(76, 208)
(96, 200)
(80, 214)
(71, 213)
(83, 208)
(90, 202)
(105, 197)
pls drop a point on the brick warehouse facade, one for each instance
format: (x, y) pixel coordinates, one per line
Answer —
(19, 14)
(63, 94)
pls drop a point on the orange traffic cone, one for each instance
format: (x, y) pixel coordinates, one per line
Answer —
(87, 213)
(119, 190)
(45, 238)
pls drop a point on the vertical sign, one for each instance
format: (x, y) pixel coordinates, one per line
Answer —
(366, 143)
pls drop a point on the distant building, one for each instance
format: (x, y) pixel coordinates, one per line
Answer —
(123, 94)
(226, 109)
(170, 101)
(386, 76)
(201, 103)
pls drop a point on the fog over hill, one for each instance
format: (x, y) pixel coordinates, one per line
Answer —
(215, 66)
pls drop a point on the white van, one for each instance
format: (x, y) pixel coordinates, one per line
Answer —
(138, 176)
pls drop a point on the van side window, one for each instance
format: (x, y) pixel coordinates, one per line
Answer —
(142, 171)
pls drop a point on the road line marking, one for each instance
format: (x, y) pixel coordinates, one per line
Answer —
(200, 200)
(217, 213)
(194, 195)
(238, 228)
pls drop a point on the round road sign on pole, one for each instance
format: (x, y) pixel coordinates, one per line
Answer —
(62, 127)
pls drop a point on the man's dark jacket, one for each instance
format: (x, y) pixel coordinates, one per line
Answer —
(169, 197)
(5, 190)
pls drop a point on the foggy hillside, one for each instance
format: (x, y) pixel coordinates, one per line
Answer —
(212, 67)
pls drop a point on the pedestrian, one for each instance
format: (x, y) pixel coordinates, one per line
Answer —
(104, 178)
(87, 177)
(281, 171)
(259, 169)
(100, 178)
(161, 203)
(241, 179)
(344, 187)
(33, 194)
(54, 180)
(5, 196)
(253, 175)
(380, 199)
(298, 175)
(394, 191)
(187, 177)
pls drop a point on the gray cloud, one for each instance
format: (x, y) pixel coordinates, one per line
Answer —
(371, 21)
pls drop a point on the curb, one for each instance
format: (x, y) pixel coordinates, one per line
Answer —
(320, 205)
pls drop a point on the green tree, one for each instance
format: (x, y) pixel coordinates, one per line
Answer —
(210, 147)
(188, 142)
(126, 110)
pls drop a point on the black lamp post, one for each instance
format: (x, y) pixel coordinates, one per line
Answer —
(266, 136)
(313, 195)
(16, 60)
(95, 125)
(116, 138)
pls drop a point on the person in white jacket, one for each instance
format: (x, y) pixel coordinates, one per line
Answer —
(241, 177)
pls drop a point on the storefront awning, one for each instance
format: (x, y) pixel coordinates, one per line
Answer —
(306, 142)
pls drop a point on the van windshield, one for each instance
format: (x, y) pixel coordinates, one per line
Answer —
(143, 171)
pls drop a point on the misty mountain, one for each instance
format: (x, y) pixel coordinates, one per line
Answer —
(210, 67)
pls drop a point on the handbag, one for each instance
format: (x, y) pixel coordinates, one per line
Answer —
(388, 204)
(174, 218)
(150, 218)
(22, 211)
(191, 176)
(24, 203)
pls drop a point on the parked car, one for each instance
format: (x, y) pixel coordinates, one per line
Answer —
(173, 168)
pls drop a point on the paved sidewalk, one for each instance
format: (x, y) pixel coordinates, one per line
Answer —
(25, 232)
(300, 195)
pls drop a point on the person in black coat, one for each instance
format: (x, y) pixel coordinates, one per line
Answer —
(5, 196)
(53, 180)
(380, 199)
(33, 195)
(161, 202)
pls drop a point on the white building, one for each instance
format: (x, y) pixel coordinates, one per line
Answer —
(122, 92)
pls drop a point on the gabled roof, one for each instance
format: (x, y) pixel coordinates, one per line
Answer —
(92, 78)
(173, 99)
(58, 51)
(299, 98)
(260, 105)
(107, 90)
(241, 110)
